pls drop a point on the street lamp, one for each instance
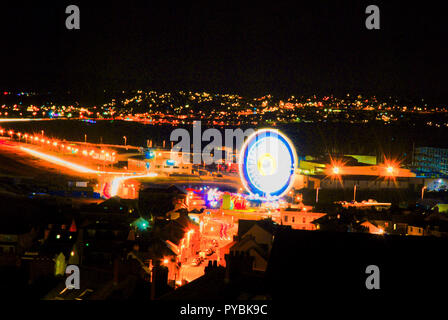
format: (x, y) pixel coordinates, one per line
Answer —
(317, 194)
(423, 191)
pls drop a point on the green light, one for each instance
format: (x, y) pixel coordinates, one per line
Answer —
(141, 223)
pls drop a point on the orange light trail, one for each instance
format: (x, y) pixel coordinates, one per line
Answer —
(20, 119)
(116, 182)
(59, 161)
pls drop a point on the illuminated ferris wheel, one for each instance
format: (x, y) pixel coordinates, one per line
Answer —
(267, 162)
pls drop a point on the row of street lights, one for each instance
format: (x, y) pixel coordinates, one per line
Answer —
(11, 132)
(390, 169)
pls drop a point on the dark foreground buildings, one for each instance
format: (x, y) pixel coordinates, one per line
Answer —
(314, 265)
(333, 264)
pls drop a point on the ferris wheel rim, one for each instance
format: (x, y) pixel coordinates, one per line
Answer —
(246, 181)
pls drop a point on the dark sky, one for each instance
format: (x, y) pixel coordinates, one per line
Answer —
(252, 48)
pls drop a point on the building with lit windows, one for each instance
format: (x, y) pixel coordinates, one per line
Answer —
(350, 171)
(300, 219)
(161, 162)
(431, 162)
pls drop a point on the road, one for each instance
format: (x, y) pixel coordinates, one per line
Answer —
(216, 227)
(17, 163)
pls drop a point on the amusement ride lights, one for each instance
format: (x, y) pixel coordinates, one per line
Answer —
(267, 164)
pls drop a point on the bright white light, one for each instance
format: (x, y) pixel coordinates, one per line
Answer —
(267, 163)
(116, 182)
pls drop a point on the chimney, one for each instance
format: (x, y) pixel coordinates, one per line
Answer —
(238, 263)
(212, 266)
(159, 280)
(209, 267)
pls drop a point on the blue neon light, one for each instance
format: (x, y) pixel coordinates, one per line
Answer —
(248, 167)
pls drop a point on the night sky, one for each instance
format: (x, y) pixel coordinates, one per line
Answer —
(253, 48)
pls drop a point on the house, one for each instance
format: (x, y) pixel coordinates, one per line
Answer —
(399, 224)
(249, 245)
(262, 230)
(335, 222)
(300, 219)
(113, 205)
(49, 256)
(437, 225)
(158, 200)
(237, 281)
(322, 265)
(372, 227)
(254, 238)
(415, 231)
(15, 238)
